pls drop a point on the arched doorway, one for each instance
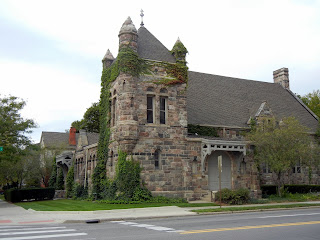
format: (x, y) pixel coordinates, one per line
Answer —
(213, 172)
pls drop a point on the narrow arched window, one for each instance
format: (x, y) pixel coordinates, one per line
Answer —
(157, 159)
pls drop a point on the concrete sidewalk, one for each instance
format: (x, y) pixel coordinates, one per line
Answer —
(12, 214)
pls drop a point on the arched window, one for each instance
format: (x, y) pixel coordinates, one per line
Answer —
(150, 89)
(157, 159)
(163, 90)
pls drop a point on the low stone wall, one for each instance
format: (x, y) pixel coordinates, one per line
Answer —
(60, 194)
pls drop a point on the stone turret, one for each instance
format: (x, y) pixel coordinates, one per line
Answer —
(107, 60)
(128, 35)
(126, 124)
(179, 51)
(281, 76)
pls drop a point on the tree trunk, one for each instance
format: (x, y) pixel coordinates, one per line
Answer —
(279, 183)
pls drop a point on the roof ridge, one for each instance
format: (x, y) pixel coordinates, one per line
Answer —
(236, 78)
(302, 103)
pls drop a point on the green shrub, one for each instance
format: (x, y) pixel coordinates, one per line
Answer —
(127, 176)
(79, 191)
(60, 180)
(70, 181)
(141, 194)
(236, 197)
(18, 195)
(53, 176)
(268, 190)
(109, 190)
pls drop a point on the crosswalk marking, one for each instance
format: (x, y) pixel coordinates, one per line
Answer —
(147, 226)
(45, 236)
(20, 229)
(32, 232)
(10, 232)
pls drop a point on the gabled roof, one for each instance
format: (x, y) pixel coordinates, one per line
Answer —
(149, 47)
(225, 101)
(61, 139)
(56, 140)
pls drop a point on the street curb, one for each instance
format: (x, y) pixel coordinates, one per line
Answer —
(254, 210)
(186, 215)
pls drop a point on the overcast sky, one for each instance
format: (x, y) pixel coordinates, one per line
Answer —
(51, 51)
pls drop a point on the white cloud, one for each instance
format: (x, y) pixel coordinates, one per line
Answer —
(51, 94)
(246, 39)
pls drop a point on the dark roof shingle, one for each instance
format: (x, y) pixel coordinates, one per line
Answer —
(225, 101)
(149, 47)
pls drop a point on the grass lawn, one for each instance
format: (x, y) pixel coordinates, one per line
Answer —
(234, 209)
(82, 205)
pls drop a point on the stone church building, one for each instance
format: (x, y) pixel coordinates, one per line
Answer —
(152, 122)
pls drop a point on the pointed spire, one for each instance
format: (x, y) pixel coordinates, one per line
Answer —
(179, 51)
(108, 56)
(128, 27)
(107, 60)
(141, 14)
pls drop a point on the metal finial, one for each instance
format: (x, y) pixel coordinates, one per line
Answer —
(141, 14)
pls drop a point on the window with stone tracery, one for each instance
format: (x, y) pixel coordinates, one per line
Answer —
(150, 109)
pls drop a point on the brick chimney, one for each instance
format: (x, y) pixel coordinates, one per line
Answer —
(281, 76)
(72, 136)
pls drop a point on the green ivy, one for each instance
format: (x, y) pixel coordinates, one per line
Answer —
(60, 180)
(53, 176)
(127, 62)
(202, 130)
(179, 51)
(178, 73)
(70, 181)
(127, 176)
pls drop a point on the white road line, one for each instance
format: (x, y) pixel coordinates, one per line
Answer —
(147, 226)
(46, 236)
(293, 215)
(128, 223)
(21, 229)
(160, 228)
(32, 232)
(144, 225)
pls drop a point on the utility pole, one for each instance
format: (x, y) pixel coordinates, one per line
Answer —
(220, 171)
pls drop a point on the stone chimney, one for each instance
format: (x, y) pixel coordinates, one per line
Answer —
(72, 136)
(83, 139)
(281, 76)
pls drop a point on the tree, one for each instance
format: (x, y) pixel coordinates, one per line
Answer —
(70, 181)
(91, 119)
(26, 171)
(282, 145)
(53, 176)
(60, 179)
(312, 100)
(13, 128)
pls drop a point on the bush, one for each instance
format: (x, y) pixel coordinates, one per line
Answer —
(70, 181)
(79, 191)
(17, 195)
(268, 190)
(141, 194)
(236, 197)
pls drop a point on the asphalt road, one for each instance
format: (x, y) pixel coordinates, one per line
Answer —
(290, 224)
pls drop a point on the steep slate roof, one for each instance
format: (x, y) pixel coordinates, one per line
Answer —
(56, 139)
(149, 47)
(225, 101)
(61, 139)
(92, 138)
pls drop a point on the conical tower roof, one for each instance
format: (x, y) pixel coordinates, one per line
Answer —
(108, 56)
(128, 27)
